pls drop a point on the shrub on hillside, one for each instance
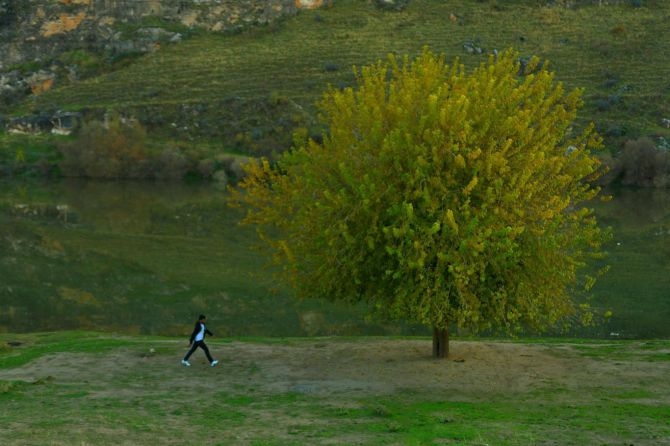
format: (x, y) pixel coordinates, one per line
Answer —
(611, 167)
(232, 166)
(644, 164)
(173, 164)
(391, 5)
(113, 149)
(206, 168)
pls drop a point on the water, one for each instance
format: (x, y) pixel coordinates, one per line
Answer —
(147, 257)
(637, 287)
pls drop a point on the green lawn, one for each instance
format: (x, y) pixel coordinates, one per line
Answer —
(88, 388)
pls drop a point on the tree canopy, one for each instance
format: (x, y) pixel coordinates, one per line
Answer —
(442, 196)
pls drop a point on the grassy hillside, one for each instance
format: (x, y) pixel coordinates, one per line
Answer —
(615, 52)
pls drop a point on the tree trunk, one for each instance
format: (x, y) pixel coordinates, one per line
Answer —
(440, 342)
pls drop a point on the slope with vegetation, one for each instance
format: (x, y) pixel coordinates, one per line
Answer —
(247, 92)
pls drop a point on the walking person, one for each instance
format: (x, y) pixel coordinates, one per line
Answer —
(198, 340)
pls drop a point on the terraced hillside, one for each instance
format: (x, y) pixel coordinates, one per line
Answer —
(233, 89)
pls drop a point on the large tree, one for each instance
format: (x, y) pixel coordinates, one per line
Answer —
(440, 196)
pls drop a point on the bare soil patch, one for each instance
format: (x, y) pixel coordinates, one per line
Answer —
(362, 367)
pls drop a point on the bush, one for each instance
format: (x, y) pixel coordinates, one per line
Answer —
(612, 169)
(113, 149)
(206, 168)
(172, 165)
(643, 164)
(232, 166)
(391, 5)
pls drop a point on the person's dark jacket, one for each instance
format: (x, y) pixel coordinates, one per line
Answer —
(196, 330)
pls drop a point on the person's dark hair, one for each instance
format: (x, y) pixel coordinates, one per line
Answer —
(201, 317)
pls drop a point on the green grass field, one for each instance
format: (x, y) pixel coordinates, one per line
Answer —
(87, 388)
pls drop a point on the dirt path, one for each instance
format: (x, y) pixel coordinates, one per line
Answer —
(476, 370)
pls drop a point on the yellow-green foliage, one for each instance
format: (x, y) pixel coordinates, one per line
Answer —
(438, 195)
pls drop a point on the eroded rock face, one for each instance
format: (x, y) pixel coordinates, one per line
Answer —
(35, 30)
(42, 41)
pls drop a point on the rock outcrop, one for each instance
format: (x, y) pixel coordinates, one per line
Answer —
(35, 30)
(44, 40)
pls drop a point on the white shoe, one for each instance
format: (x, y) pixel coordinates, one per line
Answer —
(185, 363)
(214, 363)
